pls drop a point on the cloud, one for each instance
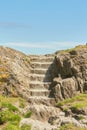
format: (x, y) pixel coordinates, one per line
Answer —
(44, 45)
(13, 25)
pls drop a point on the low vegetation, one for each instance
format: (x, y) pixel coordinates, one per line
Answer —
(28, 114)
(76, 103)
(26, 127)
(26, 58)
(71, 127)
(10, 115)
(11, 126)
(22, 103)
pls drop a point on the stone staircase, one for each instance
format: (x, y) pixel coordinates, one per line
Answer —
(40, 80)
(41, 103)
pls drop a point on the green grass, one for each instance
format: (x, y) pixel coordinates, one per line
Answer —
(7, 102)
(10, 115)
(77, 102)
(28, 114)
(11, 126)
(10, 101)
(9, 106)
(81, 98)
(25, 127)
(71, 127)
(7, 115)
(22, 103)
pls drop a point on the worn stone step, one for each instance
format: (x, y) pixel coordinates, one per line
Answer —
(38, 85)
(40, 71)
(42, 59)
(41, 64)
(41, 100)
(39, 92)
(37, 77)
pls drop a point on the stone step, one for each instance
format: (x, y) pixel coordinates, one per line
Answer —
(43, 65)
(42, 59)
(41, 100)
(37, 77)
(38, 85)
(39, 92)
(40, 71)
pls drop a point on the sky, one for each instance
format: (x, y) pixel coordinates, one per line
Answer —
(43, 26)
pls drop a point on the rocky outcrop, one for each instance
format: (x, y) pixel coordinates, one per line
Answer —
(61, 75)
(72, 72)
(14, 72)
(42, 112)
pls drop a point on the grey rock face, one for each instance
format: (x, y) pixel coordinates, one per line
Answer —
(64, 88)
(72, 68)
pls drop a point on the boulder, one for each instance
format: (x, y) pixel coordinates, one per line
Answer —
(68, 88)
(65, 88)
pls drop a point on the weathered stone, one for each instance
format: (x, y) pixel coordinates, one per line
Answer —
(37, 125)
(68, 88)
(65, 88)
(42, 112)
(70, 120)
(14, 72)
(72, 66)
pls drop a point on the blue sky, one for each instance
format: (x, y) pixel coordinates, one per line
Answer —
(43, 26)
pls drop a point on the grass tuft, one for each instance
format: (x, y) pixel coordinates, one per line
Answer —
(28, 114)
